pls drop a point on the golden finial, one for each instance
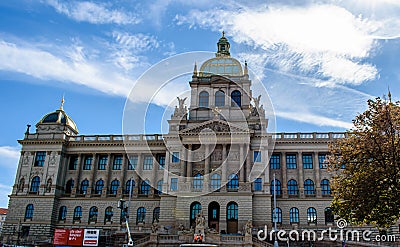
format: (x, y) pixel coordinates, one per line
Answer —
(223, 33)
(62, 103)
(246, 71)
(195, 69)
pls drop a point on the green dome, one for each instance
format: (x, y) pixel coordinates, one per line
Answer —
(226, 66)
(59, 117)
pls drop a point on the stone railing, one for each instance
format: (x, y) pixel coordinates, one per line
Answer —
(105, 138)
(308, 136)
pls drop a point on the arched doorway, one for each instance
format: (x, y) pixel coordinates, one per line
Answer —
(213, 215)
(232, 217)
(195, 209)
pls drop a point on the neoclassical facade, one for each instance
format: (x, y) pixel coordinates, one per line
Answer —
(217, 160)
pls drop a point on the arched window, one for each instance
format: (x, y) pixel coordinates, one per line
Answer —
(278, 216)
(128, 186)
(203, 99)
(21, 184)
(219, 98)
(77, 213)
(232, 211)
(84, 186)
(69, 186)
(62, 214)
(325, 187)
(292, 187)
(141, 215)
(35, 184)
(99, 186)
(329, 217)
(277, 185)
(257, 184)
(294, 215)
(29, 211)
(198, 181)
(156, 214)
(309, 187)
(195, 209)
(144, 188)
(108, 214)
(114, 187)
(236, 97)
(216, 182)
(159, 187)
(233, 183)
(93, 212)
(312, 215)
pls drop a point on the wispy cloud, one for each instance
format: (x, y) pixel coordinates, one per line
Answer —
(321, 41)
(73, 67)
(9, 157)
(85, 11)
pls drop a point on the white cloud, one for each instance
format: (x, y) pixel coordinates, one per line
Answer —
(9, 156)
(314, 119)
(74, 69)
(93, 12)
(309, 39)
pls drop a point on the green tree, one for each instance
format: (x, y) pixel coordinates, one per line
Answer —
(366, 166)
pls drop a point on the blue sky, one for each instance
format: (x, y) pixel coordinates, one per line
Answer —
(319, 60)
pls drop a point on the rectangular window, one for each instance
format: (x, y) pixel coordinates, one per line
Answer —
(102, 162)
(175, 157)
(148, 162)
(88, 163)
(275, 161)
(117, 164)
(291, 161)
(321, 161)
(73, 163)
(40, 157)
(132, 162)
(307, 161)
(174, 184)
(257, 156)
(161, 160)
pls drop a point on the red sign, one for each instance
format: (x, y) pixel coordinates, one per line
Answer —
(61, 236)
(75, 237)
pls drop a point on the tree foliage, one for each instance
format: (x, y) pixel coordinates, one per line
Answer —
(367, 190)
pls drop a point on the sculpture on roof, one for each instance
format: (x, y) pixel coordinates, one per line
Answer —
(181, 109)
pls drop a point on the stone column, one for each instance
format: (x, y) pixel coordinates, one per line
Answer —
(265, 159)
(155, 173)
(139, 166)
(248, 164)
(107, 176)
(241, 163)
(206, 167)
(301, 175)
(224, 167)
(182, 168)
(92, 175)
(75, 190)
(317, 175)
(166, 174)
(189, 165)
(284, 176)
(123, 178)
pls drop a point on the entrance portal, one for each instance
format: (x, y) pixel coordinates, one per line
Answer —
(213, 216)
(232, 217)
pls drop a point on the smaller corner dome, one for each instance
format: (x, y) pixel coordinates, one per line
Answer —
(59, 117)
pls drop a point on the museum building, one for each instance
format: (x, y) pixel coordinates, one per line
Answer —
(217, 160)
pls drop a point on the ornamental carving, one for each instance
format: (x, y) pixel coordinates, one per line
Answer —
(216, 155)
(234, 155)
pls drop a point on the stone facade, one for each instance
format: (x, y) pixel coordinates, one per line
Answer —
(210, 157)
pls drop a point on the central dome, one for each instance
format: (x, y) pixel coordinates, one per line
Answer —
(227, 66)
